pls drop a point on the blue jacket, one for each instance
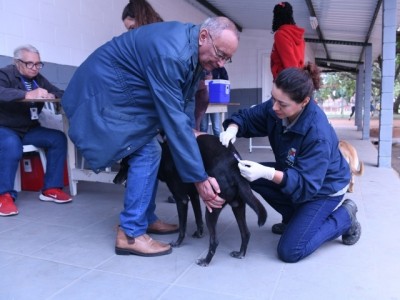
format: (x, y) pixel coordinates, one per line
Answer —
(130, 88)
(308, 153)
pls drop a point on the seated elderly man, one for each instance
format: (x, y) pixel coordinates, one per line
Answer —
(19, 126)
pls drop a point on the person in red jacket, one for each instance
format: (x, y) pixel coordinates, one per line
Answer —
(288, 48)
(287, 51)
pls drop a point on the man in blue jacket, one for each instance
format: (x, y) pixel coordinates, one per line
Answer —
(126, 92)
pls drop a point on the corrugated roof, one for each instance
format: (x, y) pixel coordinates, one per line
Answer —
(339, 20)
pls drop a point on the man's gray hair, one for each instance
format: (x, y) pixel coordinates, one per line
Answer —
(216, 25)
(29, 48)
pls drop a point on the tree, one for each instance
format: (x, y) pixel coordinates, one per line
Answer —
(343, 83)
(338, 85)
(396, 104)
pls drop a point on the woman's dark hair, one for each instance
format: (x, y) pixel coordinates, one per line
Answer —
(299, 83)
(283, 14)
(142, 12)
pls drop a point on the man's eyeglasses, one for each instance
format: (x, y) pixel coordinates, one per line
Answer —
(30, 64)
(220, 54)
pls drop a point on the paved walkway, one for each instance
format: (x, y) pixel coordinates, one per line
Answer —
(52, 251)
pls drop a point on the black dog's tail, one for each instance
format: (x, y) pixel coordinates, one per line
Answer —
(253, 202)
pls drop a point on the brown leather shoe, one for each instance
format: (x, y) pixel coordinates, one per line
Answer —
(159, 227)
(142, 245)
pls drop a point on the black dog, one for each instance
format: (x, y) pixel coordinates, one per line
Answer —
(220, 163)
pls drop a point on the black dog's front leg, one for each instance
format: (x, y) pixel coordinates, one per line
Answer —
(122, 174)
(182, 207)
(240, 215)
(211, 221)
(195, 199)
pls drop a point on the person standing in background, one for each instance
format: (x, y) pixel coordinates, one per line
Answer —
(287, 51)
(353, 105)
(202, 100)
(139, 12)
(288, 48)
(218, 73)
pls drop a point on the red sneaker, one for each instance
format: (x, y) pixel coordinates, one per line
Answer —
(7, 206)
(55, 195)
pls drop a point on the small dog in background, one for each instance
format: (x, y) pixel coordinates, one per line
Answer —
(351, 156)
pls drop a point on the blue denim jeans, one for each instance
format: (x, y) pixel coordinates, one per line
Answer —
(141, 188)
(215, 123)
(309, 224)
(53, 141)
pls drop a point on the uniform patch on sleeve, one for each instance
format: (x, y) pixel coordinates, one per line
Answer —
(291, 156)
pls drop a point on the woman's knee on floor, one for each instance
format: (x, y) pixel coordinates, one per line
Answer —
(289, 253)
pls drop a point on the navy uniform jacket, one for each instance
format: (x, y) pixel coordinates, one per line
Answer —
(308, 153)
(130, 88)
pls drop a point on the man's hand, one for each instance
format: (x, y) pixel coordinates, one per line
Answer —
(39, 93)
(253, 171)
(228, 135)
(208, 191)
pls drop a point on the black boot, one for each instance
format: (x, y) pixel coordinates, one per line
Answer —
(278, 228)
(353, 234)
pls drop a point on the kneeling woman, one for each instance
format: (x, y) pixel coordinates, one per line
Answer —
(307, 182)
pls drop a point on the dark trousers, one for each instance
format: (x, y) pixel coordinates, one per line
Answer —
(309, 224)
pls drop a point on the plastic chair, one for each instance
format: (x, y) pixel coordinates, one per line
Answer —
(29, 148)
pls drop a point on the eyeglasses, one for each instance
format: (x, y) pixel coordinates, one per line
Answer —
(30, 64)
(220, 54)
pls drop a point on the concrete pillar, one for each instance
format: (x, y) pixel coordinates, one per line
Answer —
(367, 92)
(387, 92)
(359, 97)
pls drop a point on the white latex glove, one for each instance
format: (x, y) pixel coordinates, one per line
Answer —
(228, 135)
(253, 171)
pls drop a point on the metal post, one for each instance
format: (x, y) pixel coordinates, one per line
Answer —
(367, 92)
(359, 98)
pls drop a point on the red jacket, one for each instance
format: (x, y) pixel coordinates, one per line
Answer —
(288, 49)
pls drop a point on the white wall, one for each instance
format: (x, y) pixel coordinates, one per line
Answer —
(64, 31)
(248, 69)
(178, 10)
(67, 31)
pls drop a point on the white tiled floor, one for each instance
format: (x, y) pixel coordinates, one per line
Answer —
(52, 251)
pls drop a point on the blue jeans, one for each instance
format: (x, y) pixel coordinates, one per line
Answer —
(141, 188)
(309, 224)
(215, 123)
(53, 141)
